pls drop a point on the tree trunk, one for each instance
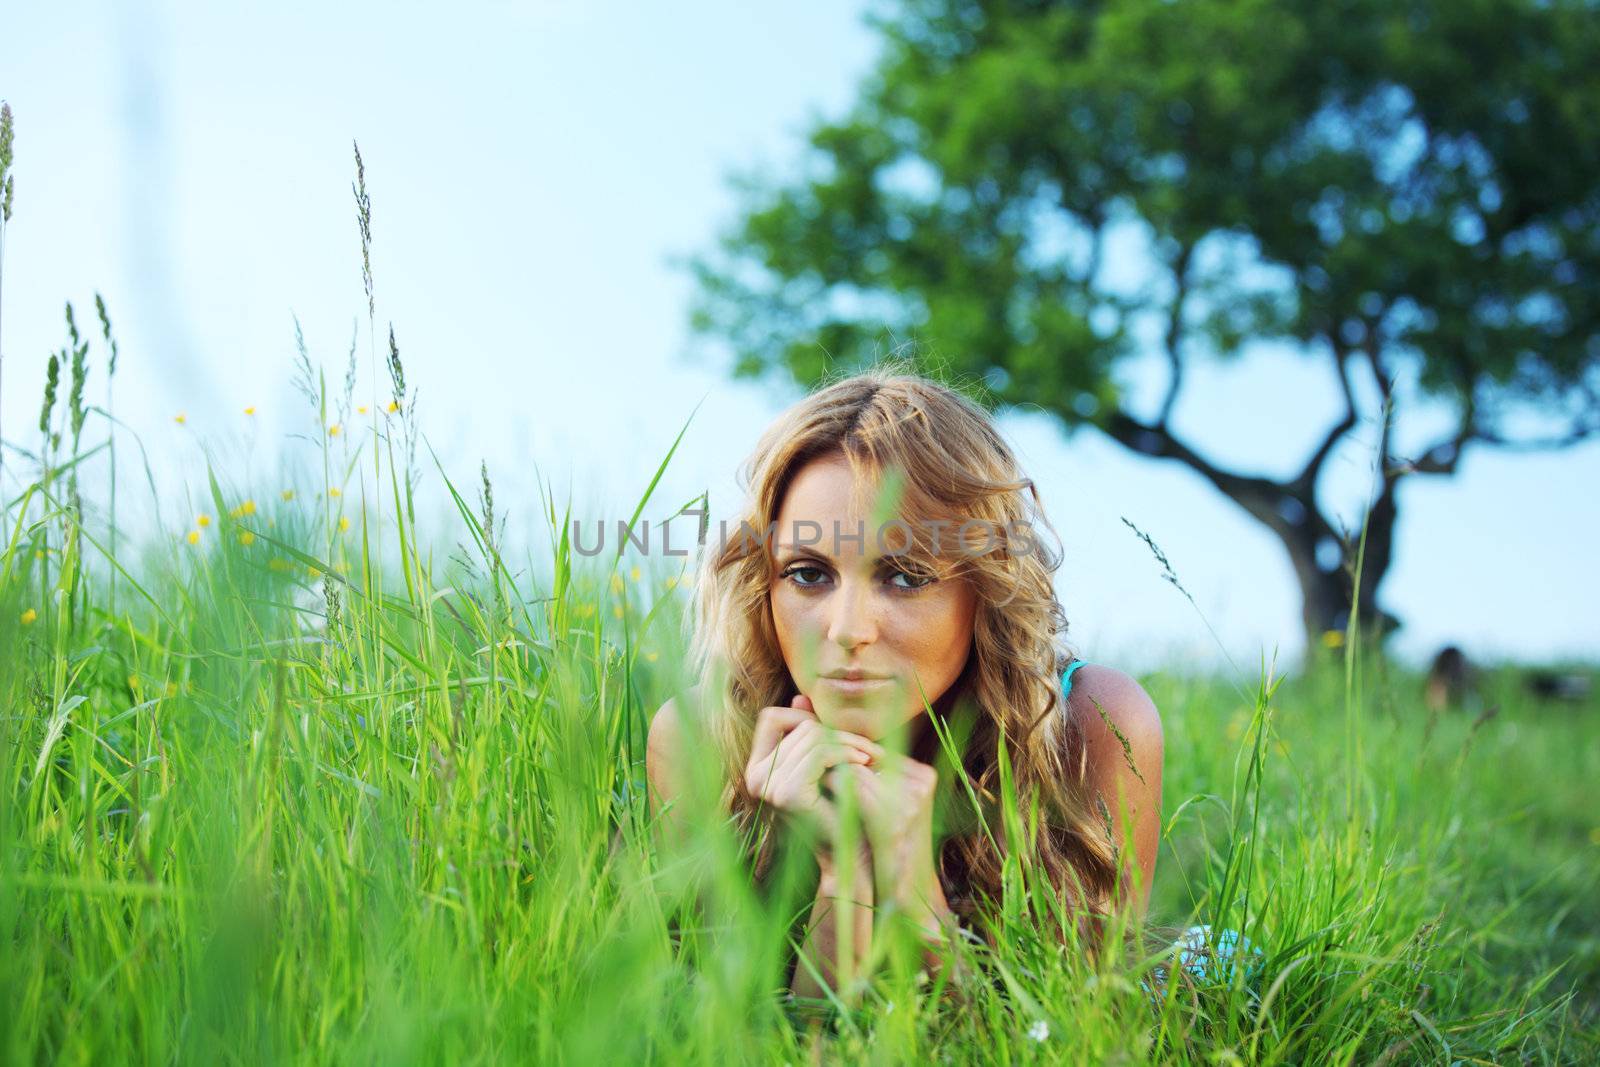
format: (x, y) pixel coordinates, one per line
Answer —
(1325, 565)
(1324, 561)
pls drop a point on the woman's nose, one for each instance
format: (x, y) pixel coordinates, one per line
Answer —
(851, 622)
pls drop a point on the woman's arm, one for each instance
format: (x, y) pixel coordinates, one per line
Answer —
(1123, 739)
(839, 931)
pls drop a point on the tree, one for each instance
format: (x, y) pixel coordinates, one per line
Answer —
(1404, 189)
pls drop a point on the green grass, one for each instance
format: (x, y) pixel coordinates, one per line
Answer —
(284, 803)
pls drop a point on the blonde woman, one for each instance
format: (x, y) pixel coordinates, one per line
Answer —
(892, 570)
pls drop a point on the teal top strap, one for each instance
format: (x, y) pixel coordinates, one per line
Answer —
(1066, 677)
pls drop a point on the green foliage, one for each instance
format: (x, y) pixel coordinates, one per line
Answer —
(1357, 176)
(284, 807)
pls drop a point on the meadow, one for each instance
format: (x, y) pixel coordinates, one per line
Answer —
(296, 780)
(286, 787)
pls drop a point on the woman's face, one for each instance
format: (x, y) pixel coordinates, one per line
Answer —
(838, 605)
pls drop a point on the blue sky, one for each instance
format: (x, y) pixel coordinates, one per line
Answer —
(534, 170)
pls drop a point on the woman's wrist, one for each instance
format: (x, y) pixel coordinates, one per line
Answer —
(908, 882)
(907, 871)
(832, 868)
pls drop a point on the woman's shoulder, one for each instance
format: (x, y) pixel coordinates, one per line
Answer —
(689, 709)
(1114, 713)
(664, 742)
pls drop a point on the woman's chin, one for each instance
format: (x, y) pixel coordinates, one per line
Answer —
(869, 712)
(851, 717)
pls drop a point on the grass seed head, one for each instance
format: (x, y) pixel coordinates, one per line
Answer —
(488, 503)
(397, 371)
(364, 223)
(52, 378)
(330, 596)
(7, 133)
(80, 374)
(349, 372)
(105, 331)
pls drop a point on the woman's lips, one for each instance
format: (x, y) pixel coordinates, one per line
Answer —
(854, 685)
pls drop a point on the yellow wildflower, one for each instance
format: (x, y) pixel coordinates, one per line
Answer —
(251, 410)
(1333, 638)
(335, 491)
(672, 582)
(333, 431)
(202, 521)
(288, 494)
(634, 574)
(28, 616)
(180, 418)
(246, 537)
(133, 683)
(362, 410)
(616, 583)
(393, 407)
(344, 523)
(194, 537)
(172, 689)
(247, 508)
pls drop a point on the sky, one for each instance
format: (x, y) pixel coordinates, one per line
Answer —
(538, 172)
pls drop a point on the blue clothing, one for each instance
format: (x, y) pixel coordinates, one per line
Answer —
(1213, 956)
(1066, 677)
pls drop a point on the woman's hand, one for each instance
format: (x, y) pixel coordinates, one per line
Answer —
(789, 754)
(895, 796)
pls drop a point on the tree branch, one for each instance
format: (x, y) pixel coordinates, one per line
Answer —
(1385, 382)
(1443, 457)
(1307, 480)
(1256, 494)
(1180, 271)
(1097, 242)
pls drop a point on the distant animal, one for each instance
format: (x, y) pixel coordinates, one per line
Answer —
(1555, 685)
(1450, 679)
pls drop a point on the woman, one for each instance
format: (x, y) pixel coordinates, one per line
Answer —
(888, 574)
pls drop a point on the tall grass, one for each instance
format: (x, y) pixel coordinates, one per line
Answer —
(280, 803)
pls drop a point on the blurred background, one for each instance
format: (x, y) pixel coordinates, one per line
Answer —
(1158, 237)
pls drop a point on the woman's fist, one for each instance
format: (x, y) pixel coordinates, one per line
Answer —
(789, 755)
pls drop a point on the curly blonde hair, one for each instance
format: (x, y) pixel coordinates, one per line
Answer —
(949, 460)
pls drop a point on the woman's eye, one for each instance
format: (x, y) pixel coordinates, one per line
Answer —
(918, 581)
(800, 570)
